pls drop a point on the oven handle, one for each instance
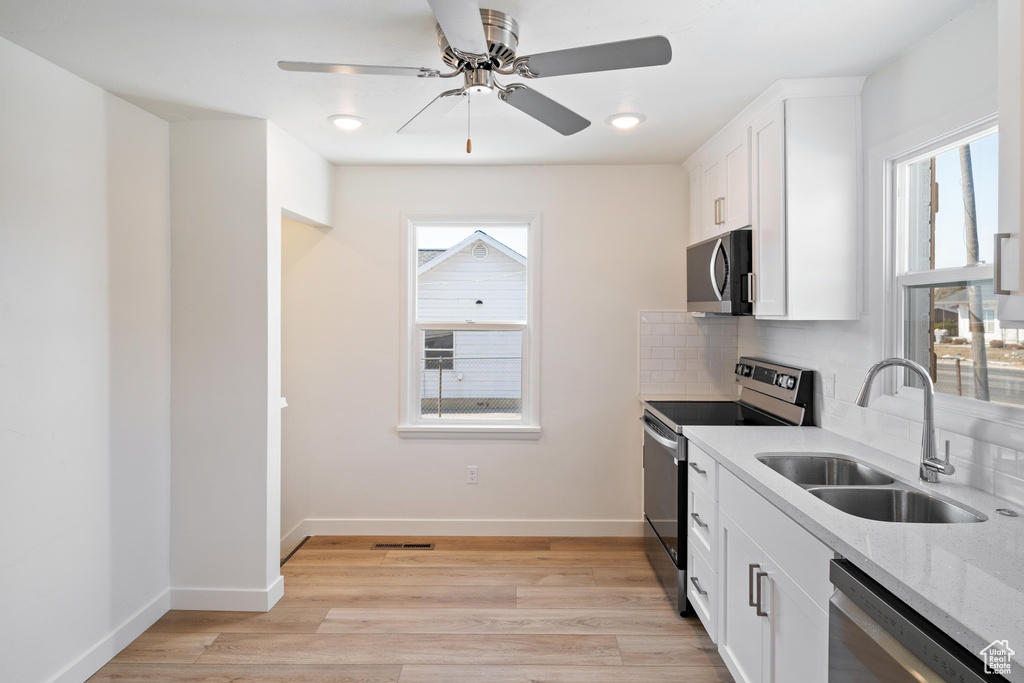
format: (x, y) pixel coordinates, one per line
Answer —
(667, 443)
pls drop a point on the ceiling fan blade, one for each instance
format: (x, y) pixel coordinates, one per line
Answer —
(431, 114)
(460, 22)
(358, 69)
(624, 54)
(544, 109)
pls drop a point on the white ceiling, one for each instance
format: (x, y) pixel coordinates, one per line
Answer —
(196, 59)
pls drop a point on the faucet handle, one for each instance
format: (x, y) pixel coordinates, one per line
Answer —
(949, 468)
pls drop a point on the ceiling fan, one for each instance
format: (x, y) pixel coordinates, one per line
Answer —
(480, 44)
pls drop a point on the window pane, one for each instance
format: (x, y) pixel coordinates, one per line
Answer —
(468, 274)
(941, 191)
(482, 378)
(953, 331)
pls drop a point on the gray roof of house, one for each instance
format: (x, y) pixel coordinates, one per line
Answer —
(428, 255)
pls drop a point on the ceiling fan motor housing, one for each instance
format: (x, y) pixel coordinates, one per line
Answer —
(501, 32)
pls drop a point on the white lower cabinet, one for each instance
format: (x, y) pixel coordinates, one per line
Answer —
(796, 634)
(740, 629)
(771, 628)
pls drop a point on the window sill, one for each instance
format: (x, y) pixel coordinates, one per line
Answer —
(463, 431)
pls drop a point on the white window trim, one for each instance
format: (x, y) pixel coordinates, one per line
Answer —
(1001, 424)
(410, 423)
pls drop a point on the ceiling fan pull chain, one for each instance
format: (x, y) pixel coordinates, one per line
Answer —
(469, 123)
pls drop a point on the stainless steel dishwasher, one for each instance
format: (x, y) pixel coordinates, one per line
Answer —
(875, 637)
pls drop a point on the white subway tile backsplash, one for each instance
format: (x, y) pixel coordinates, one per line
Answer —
(686, 356)
(847, 348)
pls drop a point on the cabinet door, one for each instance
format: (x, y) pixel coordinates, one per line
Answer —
(1009, 252)
(796, 640)
(768, 163)
(740, 629)
(713, 191)
(735, 211)
(696, 206)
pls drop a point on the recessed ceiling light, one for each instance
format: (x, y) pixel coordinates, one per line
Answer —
(625, 119)
(346, 121)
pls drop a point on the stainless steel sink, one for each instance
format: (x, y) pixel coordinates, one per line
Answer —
(824, 470)
(896, 505)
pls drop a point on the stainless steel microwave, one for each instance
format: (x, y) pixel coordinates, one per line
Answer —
(719, 277)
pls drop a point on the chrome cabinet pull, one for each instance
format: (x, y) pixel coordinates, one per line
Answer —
(750, 584)
(998, 277)
(721, 210)
(696, 469)
(696, 586)
(757, 607)
(698, 520)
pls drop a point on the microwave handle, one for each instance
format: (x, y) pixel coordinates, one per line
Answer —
(714, 280)
(751, 288)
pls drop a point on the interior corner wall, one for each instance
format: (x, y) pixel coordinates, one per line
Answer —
(220, 465)
(298, 189)
(84, 371)
(231, 182)
(613, 241)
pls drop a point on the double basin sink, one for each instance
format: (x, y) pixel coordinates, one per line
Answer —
(862, 491)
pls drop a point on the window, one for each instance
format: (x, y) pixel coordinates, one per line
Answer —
(946, 218)
(470, 326)
(438, 350)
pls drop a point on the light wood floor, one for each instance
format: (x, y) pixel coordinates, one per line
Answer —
(500, 610)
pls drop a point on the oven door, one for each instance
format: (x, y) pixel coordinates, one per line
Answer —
(662, 473)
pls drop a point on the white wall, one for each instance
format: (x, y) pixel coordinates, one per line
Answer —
(946, 81)
(84, 371)
(613, 244)
(230, 181)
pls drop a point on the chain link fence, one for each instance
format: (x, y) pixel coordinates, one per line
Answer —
(471, 387)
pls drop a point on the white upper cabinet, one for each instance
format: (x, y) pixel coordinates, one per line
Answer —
(1009, 246)
(736, 202)
(720, 189)
(789, 166)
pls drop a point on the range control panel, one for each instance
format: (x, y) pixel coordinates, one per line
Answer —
(781, 381)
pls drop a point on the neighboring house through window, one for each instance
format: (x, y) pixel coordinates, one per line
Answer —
(470, 326)
(946, 217)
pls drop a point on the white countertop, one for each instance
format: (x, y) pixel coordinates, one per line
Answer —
(967, 579)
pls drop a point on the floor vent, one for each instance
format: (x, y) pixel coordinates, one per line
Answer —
(403, 546)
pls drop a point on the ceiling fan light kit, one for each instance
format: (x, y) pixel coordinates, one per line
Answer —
(480, 44)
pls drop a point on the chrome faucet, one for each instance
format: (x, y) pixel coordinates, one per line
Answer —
(931, 465)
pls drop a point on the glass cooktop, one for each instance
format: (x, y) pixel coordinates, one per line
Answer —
(693, 413)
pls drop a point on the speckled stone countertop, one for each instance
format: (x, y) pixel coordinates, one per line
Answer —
(967, 579)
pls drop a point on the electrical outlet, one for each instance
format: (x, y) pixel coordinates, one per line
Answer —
(830, 385)
(472, 475)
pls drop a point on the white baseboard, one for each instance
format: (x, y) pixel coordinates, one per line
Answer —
(103, 651)
(228, 599)
(292, 539)
(462, 527)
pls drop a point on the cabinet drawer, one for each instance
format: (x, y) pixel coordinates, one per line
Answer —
(702, 470)
(701, 522)
(701, 589)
